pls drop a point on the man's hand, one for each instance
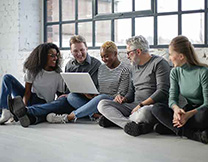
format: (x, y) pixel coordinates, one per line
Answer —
(135, 109)
(120, 99)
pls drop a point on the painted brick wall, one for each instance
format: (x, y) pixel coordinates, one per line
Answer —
(21, 31)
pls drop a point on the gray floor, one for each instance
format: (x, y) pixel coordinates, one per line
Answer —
(87, 142)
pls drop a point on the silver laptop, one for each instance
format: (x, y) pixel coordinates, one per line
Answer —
(79, 82)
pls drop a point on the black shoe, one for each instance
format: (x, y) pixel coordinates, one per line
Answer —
(161, 129)
(201, 136)
(17, 107)
(9, 103)
(135, 129)
(104, 122)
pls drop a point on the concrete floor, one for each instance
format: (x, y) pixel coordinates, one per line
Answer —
(85, 141)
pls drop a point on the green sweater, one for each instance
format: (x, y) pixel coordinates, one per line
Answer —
(191, 82)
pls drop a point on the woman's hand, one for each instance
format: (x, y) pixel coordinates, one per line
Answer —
(178, 113)
(184, 118)
(90, 96)
(120, 99)
(63, 95)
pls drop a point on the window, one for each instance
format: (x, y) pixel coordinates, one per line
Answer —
(101, 20)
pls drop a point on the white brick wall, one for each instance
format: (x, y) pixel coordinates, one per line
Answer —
(21, 31)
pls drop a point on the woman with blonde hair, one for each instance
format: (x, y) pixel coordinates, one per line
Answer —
(189, 78)
(113, 80)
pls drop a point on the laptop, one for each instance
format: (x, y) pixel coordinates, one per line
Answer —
(79, 82)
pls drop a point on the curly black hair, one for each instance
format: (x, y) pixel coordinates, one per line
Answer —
(37, 60)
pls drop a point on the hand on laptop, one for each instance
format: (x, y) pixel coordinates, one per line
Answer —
(90, 96)
(63, 95)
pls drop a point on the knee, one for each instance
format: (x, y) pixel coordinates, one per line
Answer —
(202, 114)
(101, 105)
(146, 111)
(7, 77)
(71, 96)
(158, 108)
(101, 97)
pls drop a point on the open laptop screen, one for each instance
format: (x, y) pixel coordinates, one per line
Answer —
(79, 82)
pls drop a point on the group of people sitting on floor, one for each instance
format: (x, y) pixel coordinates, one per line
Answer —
(139, 98)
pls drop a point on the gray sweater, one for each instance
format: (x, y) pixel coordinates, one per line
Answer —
(150, 80)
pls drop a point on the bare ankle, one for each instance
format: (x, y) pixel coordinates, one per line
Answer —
(71, 116)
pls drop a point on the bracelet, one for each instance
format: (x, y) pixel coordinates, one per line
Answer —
(140, 104)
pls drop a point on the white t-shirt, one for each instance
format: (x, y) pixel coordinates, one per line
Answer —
(45, 84)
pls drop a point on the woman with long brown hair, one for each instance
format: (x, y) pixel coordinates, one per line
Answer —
(188, 78)
(42, 79)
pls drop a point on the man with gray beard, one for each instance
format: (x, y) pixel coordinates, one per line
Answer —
(149, 85)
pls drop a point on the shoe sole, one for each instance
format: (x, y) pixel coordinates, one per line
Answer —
(204, 137)
(19, 110)
(132, 129)
(24, 121)
(105, 123)
(9, 103)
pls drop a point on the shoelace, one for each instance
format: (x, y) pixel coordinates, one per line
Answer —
(63, 118)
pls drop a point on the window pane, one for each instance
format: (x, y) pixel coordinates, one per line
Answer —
(123, 5)
(52, 10)
(103, 32)
(85, 30)
(122, 31)
(68, 10)
(68, 30)
(53, 34)
(145, 30)
(167, 5)
(167, 28)
(192, 4)
(142, 5)
(84, 9)
(194, 31)
(104, 6)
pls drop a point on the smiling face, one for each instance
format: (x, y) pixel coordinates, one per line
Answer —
(79, 51)
(51, 59)
(176, 58)
(133, 55)
(109, 58)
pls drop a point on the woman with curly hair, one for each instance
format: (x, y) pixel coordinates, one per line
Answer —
(42, 79)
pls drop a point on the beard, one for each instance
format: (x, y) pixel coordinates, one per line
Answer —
(135, 61)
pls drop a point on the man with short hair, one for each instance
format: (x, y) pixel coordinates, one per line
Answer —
(82, 62)
(149, 85)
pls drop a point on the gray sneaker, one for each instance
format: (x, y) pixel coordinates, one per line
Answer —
(57, 118)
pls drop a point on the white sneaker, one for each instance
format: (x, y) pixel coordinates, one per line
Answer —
(57, 118)
(5, 116)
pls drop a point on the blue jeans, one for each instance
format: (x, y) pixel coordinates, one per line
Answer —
(85, 107)
(39, 111)
(11, 86)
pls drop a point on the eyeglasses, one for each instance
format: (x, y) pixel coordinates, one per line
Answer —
(54, 55)
(128, 52)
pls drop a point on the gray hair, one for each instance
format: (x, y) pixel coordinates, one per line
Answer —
(138, 42)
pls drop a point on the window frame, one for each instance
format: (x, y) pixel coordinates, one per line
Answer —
(122, 15)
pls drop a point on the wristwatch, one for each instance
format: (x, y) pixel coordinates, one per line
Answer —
(140, 104)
